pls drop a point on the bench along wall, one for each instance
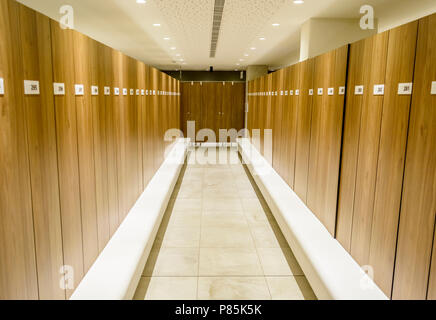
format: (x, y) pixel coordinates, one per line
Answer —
(353, 131)
(73, 161)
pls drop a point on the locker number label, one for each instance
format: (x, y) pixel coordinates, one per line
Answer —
(297, 92)
(320, 91)
(107, 91)
(137, 92)
(94, 90)
(143, 92)
(79, 89)
(310, 92)
(379, 89)
(31, 87)
(341, 91)
(2, 86)
(433, 87)
(125, 92)
(405, 88)
(117, 91)
(331, 91)
(59, 89)
(358, 90)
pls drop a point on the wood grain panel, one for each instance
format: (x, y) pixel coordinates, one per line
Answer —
(390, 169)
(277, 117)
(85, 138)
(359, 55)
(286, 124)
(111, 138)
(99, 109)
(326, 136)
(369, 142)
(148, 151)
(35, 46)
(418, 207)
(238, 106)
(304, 106)
(67, 146)
(18, 275)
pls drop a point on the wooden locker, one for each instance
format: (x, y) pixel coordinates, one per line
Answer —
(286, 126)
(238, 106)
(110, 106)
(326, 136)
(85, 138)
(209, 111)
(35, 48)
(140, 100)
(278, 118)
(418, 206)
(154, 108)
(18, 269)
(67, 146)
(304, 106)
(99, 109)
(148, 146)
(393, 142)
(292, 120)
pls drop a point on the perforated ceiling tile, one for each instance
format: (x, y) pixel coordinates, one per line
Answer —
(128, 26)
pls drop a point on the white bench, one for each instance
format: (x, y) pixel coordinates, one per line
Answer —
(116, 272)
(329, 268)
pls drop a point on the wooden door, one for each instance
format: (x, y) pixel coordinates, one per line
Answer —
(418, 207)
(304, 123)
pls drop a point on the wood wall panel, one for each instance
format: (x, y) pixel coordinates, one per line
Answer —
(393, 141)
(304, 106)
(99, 115)
(35, 46)
(18, 276)
(82, 48)
(418, 207)
(326, 137)
(67, 146)
(278, 119)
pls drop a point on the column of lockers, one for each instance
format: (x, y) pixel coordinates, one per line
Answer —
(72, 154)
(377, 147)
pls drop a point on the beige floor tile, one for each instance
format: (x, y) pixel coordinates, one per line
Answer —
(224, 204)
(290, 288)
(256, 218)
(217, 192)
(188, 205)
(173, 262)
(279, 262)
(224, 219)
(267, 236)
(253, 205)
(181, 237)
(226, 237)
(190, 192)
(167, 288)
(247, 288)
(185, 219)
(229, 262)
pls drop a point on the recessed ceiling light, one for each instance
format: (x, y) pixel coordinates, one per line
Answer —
(245, 54)
(298, 1)
(253, 48)
(238, 64)
(184, 63)
(141, 1)
(178, 55)
(173, 48)
(156, 24)
(241, 60)
(262, 38)
(167, 38)
(276, 24)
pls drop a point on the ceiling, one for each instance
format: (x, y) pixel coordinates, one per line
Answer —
(186, 25)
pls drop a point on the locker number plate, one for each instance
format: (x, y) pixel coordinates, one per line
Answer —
(379, 89)
(2, 86)
(341, 91)
(79, 89)
(405, 88)
(107, 91)
(358, 90)
(117, 91)
(94, 90)
(433, 87)
(320, 91)
(59, 89)
(331, 91)
(31, 87)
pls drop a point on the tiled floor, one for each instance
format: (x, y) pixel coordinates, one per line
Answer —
(219, 240)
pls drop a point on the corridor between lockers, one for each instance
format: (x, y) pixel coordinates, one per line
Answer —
(219, 240)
